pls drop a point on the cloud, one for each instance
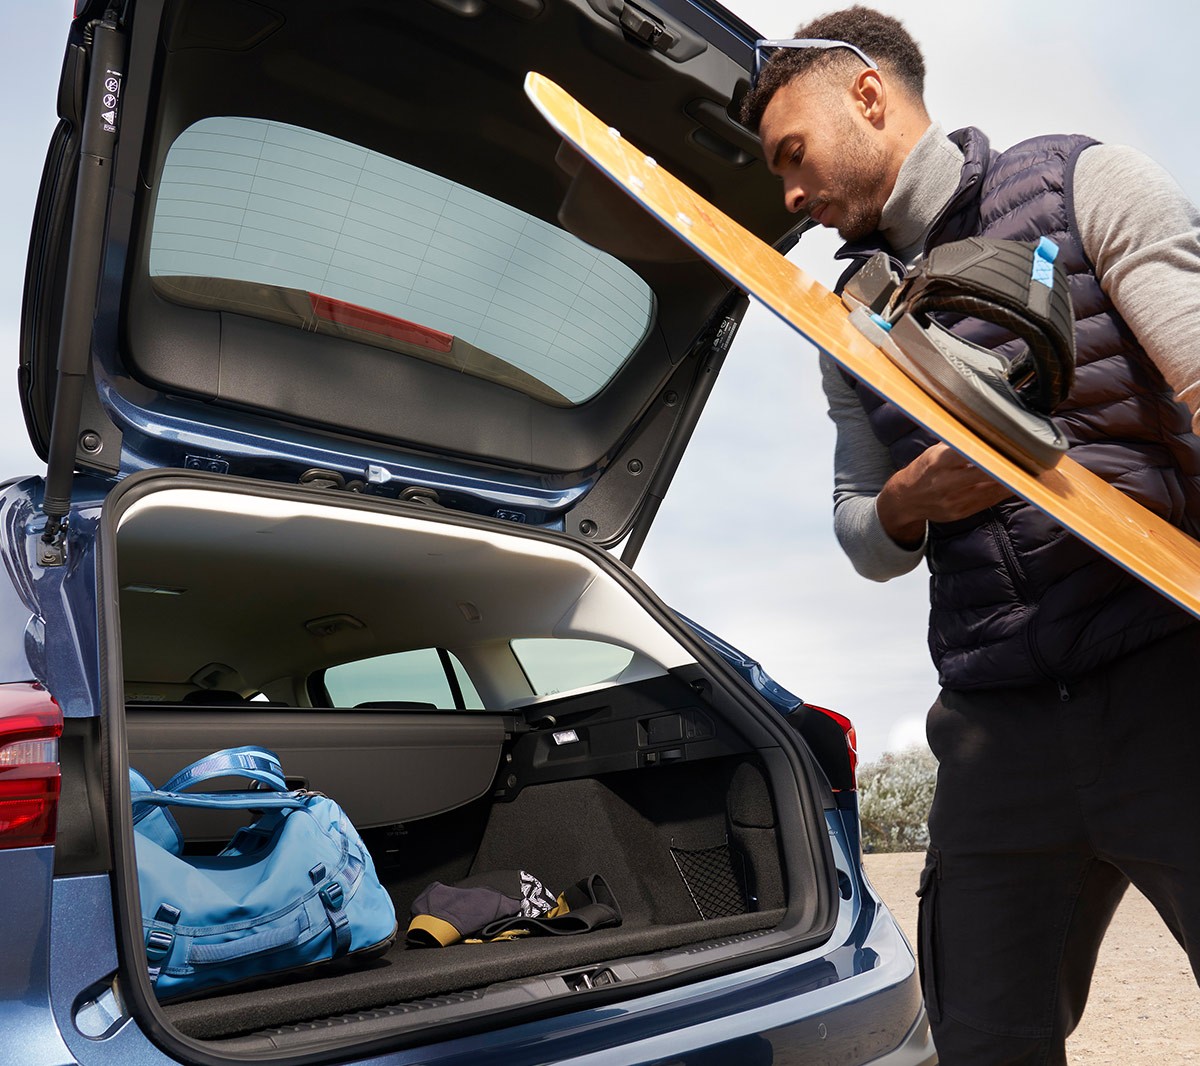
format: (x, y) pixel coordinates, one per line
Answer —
(908, 732)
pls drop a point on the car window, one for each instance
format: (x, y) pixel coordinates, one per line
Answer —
(404, 677)
(281, 222)
(554, 665)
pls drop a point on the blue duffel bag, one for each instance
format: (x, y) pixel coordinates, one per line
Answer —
(293, 888)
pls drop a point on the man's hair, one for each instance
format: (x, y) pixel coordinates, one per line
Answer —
(882, 37)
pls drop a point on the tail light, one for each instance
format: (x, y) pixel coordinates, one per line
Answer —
(30, 725)
(847, 728)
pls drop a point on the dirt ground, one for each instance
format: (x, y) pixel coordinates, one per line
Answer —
(1144, 1005)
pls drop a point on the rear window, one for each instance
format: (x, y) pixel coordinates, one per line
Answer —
(428, 677)
(272, 220)
(559, 664)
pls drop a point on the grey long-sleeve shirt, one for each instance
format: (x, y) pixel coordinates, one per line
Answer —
(1142, 235)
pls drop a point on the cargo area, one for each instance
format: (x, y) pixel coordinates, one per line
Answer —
(621, 826)
(670, 784)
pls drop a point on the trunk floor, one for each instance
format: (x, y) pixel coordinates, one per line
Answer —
(415, 973)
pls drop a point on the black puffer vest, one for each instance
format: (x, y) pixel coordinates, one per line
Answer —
(1014, 598)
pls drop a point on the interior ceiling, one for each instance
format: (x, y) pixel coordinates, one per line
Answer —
(251, 583)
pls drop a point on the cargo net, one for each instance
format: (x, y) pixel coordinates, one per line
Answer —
(715, 878)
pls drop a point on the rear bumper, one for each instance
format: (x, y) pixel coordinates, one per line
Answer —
(917, 1049)
(797, 1010)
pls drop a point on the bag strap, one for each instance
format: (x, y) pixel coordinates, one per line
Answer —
(224, 801)
(138, 783)
(257, 764)
(163, 830)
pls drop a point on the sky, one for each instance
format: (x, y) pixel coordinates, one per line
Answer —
(744, 542)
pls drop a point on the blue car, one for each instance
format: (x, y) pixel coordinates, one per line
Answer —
(358, 393)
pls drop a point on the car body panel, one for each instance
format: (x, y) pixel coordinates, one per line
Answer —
(31, 1037)
(65, 601)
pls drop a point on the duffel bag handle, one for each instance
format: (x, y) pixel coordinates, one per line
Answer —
(162, 829)
(256, 764)
(224, 801)
(254, 944)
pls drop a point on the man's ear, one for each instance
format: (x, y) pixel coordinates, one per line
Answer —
(870, 96)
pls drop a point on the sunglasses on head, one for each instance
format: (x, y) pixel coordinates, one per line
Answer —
(763, 50)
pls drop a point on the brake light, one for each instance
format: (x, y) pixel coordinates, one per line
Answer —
(847, 728)
(380, 323)
(30, 725)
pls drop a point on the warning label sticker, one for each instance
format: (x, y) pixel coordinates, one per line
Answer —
(110, 100)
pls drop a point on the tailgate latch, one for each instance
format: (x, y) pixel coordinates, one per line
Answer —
(646, 28)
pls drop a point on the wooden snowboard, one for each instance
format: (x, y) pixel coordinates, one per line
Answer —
(1105, 517)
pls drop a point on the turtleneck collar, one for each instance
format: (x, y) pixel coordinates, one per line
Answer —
(928, 178)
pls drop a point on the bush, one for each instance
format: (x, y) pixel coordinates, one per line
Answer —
(894, 796)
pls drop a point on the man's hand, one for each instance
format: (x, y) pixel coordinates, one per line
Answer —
(938, 486)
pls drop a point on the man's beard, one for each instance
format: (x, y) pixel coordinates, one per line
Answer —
(864, 172)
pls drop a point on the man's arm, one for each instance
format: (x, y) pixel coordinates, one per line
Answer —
(881, 514)
(1142, 235)
(861, 468)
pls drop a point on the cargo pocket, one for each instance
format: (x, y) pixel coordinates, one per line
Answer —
(927, 935)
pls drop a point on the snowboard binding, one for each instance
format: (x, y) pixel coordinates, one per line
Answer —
(1017, 285)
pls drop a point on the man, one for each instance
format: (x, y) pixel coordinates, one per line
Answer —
(1066, 716)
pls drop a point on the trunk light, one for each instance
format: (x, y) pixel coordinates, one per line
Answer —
(30, 725)
(847, 728)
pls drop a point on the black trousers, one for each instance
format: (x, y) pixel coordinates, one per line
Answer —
(1046, 809)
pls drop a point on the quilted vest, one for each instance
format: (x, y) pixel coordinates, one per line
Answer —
(1014, 598)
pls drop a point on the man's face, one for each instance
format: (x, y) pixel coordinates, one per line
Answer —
(823, 149)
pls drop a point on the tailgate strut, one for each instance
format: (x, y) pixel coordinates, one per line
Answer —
(98, 140)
